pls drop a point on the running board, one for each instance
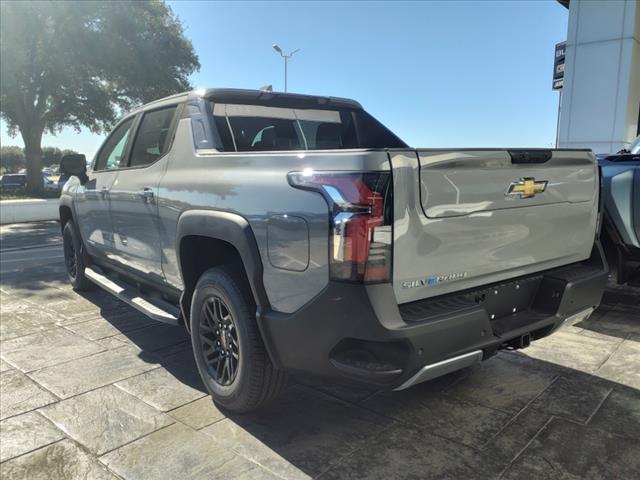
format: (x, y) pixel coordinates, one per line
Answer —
(154, 308)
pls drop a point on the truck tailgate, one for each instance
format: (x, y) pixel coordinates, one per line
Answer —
(473, 217)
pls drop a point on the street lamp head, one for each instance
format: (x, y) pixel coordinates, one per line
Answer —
(277, 48)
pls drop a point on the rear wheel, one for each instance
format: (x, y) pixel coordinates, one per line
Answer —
(227, 344)
(73, 258)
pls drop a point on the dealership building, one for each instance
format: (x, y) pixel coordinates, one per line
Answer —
(600, 96)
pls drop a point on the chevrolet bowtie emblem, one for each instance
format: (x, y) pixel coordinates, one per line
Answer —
(527, 187)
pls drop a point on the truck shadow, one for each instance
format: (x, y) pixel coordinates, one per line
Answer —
(535, 413)
(618, 315)
(470, 424)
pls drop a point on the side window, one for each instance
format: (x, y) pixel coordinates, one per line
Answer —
(113, 150)
(152, 139)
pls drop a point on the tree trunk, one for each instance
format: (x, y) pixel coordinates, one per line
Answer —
(33, 156)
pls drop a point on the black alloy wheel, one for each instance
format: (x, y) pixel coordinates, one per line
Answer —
(219, 340)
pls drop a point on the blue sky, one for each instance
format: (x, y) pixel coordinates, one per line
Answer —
(439, 74)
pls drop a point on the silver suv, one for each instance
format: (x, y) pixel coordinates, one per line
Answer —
(294, 233)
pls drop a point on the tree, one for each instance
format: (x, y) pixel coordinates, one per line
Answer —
(53, 155)
(83, 63)
(11, 158)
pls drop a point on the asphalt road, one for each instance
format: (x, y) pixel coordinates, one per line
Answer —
(25, 246)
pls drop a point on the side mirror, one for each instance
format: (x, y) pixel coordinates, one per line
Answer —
(74, 164)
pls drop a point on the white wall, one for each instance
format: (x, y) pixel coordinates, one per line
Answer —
(601, 96)
(29, 210)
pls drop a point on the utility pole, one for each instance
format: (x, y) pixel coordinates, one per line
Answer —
(286, 57)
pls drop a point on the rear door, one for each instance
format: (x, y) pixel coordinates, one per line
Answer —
(468, 218)
(134, 195)
(93, 199)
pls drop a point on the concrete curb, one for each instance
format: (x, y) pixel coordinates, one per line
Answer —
(29, 210)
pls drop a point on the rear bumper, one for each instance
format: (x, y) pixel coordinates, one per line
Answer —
(359, 333)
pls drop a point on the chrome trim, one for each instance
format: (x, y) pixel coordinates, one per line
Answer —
(434, 370)
(340, 222)
(577, 317)
(334, 193)
(159, 310)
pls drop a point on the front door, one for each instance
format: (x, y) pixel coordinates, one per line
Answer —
(92, 200)
(134, 196)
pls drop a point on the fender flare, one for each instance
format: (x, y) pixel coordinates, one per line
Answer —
(233, 229)
(66, 201)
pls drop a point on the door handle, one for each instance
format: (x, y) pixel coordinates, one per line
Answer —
(146, 194)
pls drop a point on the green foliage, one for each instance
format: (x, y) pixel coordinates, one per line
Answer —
(20, 195)
(53, 155)
(12, 157)
(82, 63)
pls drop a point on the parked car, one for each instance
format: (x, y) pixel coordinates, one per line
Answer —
(621, 198)
(294, 233)
(12, 182)
(62, 179)
(49, 184)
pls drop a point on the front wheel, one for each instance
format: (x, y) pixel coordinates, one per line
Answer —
(73, 258)
(227, 344)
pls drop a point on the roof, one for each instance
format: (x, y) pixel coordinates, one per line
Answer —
(253, 97)
(290, 100)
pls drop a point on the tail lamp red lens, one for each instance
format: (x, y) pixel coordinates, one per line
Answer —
(361, 221)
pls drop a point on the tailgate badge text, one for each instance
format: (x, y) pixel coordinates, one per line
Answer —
(434, 280)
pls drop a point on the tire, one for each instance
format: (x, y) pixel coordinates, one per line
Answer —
(224, 332)
(73, 259)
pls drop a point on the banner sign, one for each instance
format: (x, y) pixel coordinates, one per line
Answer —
(558, 66)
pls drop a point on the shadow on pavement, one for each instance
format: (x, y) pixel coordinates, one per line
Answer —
(167, 345)
(514, 415)
(25, 235)
(477, 423)
(517, 415)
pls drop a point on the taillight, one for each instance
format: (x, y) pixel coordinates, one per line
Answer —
(361, 220)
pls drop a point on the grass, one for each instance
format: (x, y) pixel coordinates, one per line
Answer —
(22, 195)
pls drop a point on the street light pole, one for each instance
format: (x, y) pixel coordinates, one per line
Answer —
(286, 57)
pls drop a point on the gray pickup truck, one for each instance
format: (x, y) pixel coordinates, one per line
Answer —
(297, 234)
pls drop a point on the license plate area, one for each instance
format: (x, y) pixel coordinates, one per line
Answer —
(508, 298)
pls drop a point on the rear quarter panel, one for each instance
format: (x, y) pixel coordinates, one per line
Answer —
(255, 186)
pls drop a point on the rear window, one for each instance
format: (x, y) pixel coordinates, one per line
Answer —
(246, 128)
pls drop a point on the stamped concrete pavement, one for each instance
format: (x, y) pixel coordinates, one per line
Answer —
(90, 388)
